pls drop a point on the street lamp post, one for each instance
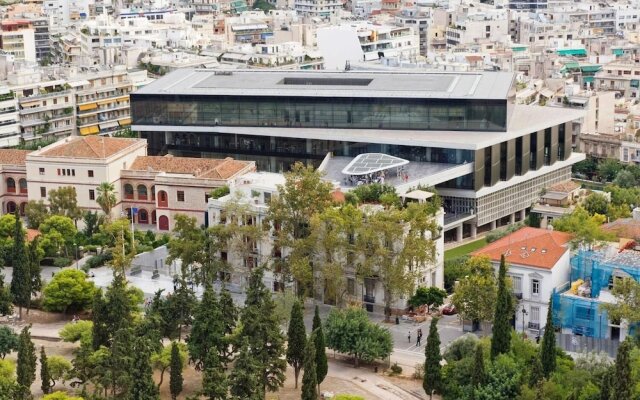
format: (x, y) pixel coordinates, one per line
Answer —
(77, 261)
(524, 312)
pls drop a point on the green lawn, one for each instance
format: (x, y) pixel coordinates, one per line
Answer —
(464, 249)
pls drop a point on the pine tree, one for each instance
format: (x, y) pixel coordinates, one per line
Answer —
(501, 338)
(175, 375)
(118, 305)
(229, 320)
(207, 331)
(296, 340)
(261, 326)
(21, 281)
(548, 346)
(26, 364)
(536, 372)
(322, 366)
(477, 379)
(45, 376)
(432, 382)
(215, 384)
(310, 378)
(99, 330)
(142, 385)
(623, 382)
(246, 381)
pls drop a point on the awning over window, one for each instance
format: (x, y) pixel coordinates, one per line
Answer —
(89, 130)
(108, 125)
(126, 121)
(122, 99)
(572, 52)
(108, 101)
(617, 52)
(86, 107)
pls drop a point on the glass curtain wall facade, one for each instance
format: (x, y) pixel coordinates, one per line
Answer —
(321, 112)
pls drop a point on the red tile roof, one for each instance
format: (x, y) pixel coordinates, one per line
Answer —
(533, 247)
(206, 168)
(13, 157)
(100, 147)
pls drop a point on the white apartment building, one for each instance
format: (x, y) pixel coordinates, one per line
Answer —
(621, 76)
(317, 8)
(9, 119)
(18, 38)
(469, 29)
(538, 264)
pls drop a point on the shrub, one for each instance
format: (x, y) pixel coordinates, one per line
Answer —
(73, 331)
(91, 248)
(220, 192)
(372, 193)
(418, 372)
(395, 369)
(99, 260)
(500, 233)
(347, 397)
(61, 262)
(69, 290)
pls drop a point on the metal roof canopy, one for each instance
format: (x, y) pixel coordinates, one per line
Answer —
(369, 163)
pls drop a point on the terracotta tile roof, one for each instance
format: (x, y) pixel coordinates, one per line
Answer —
(13, 157)
(534, 247)
(100, 147)
(205, 168)
(627, 228)
(564, 187)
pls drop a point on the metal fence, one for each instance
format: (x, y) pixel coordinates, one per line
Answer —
(581, 344)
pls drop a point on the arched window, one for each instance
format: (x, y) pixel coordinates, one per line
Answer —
(11, 185)
(153, 192)
(128, 191)
(23, 206)
(163, 223)
(143, 216)
(23, 185)
(142, 192)
(163, 199)
(154, 218)
(11, 207)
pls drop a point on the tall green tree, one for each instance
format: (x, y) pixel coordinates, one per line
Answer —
(26, 364)
(6, 298)
(623, 382)
(142, 385)
(207, 333)
(36, 212)
(175, 376)
(188, 245)
(8, 341)
(45, 376)
(106, 198)
(215, 383)
(21, 280)
(99, 329)
(296, 340)
(261, 327)
(477, 379)
(585, 228)
(246, 379)
(229, 320)
(310, 378)
(501, 338)
(34, 256)
(119, 306)
(64, 201)
(322, 366)
(432, 381)
(431, 296)
(475, 295)
(607, 385)
(548, 347)
(536, 375)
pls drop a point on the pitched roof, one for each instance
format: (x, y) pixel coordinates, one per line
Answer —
(533, 247)
(627, 228)
(205, 168)
(100, 147)
(13, 156)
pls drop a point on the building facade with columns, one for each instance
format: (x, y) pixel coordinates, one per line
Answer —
(488, 158)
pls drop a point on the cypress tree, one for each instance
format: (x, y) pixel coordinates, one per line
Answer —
(477, 379)
(536, 372)
(142, 385)
(99, 330)
(322, 366)
(548, 347)
(34, 258)
(606, 387)
(207, 330)
(45, 376)
(261, 326)
(246, 378)
(215, 384)
(501, 338)
(229, 310)
(309, 379)
(175, 375)
(432, 382)
(26, 364)
(622, 381)
(118, 305)
(296, 340)
(21, 281)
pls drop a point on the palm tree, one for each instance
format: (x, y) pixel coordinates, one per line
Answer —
(106, 198)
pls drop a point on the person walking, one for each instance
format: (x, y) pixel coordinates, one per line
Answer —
(419, 337)
(409, 336)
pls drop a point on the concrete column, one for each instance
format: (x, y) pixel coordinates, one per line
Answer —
(493, 225)
(523, 214)
(512, 218)
(459, 231)
(474, 230)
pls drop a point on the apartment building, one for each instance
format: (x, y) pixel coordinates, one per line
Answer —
(317, 8)
(18, 38)
(42, 38)
(538, 262)
(160, 188)
(46, 110)
(477, 28)
(9, 119)
(621, 76)
(83, 163)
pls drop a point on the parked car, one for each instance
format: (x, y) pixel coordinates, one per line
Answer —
(449, 309)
